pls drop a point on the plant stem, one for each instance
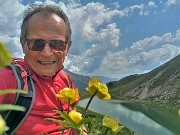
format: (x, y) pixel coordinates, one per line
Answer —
(84, 113)
(68, 105)
(62, 132)
(106, 131)
(81, 131)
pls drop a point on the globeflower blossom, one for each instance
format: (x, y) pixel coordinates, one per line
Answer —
(75, 116)
(95, 87)
(101, 90)
(111, 124)
(69, 95)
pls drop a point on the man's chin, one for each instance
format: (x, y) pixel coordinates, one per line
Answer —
(47, 74)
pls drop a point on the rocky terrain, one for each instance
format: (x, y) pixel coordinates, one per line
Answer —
(161, 84)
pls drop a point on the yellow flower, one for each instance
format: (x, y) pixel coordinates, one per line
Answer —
(75, 116)
(102, 90)
(111, 124)
(69, 95)
(2, 125)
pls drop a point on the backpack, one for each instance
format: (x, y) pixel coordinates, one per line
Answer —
(14, 118)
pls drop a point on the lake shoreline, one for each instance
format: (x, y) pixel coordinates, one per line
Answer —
(136, 116)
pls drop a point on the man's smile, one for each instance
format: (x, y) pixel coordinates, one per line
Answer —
(46, 62)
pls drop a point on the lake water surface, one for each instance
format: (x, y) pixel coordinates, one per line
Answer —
(133, 120)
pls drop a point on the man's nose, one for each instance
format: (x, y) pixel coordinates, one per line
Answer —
(47, 51)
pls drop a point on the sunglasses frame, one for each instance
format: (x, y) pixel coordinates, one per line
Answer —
(32, 41)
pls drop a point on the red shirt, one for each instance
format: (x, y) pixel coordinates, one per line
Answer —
(44, 104)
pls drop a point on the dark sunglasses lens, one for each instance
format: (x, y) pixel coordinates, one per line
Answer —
(38, 45)
(58, 45)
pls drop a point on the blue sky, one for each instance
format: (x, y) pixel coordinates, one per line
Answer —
(112, 38)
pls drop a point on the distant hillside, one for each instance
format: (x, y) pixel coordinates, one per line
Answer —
(105, 80)
(79, 81)
(161, 84)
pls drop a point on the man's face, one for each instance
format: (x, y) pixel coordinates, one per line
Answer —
(47, 61)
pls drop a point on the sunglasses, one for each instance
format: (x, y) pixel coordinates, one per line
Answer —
(39, 44)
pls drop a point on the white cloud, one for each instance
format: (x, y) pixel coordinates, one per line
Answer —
(153, 42)
(11, 13)
(115, 4)
(90, 59)
(145, 43)
(86, 20)
(171, 2)
(177, 36)
(122, 64)
(157, 55)
(152, 4)
(13, 45)
(110, 36)
(141, 9)
(143, 55)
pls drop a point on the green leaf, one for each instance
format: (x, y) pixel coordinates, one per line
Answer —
(66, 124)
(69, 126)
(56, 120)
(84, 121)
(5, 107)
(10, 91)
(5, 57)
(65, 116)
(89, 126)
(168, 120)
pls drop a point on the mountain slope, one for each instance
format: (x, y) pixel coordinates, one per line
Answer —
(161, 84)
(79, 81)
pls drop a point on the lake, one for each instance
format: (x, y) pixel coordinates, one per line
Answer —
(134, 120)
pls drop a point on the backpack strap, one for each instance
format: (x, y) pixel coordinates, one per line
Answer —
(13, 118)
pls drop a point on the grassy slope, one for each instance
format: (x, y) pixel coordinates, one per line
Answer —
(168, 74)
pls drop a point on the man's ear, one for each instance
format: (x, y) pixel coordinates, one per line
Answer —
(23, 49)
(22, 43)
(68, 47)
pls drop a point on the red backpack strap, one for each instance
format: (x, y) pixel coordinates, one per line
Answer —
(24, 75)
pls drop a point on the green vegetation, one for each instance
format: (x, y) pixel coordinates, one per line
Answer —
(159, 106)
(84, 95)
(126, 84)
(97, 127)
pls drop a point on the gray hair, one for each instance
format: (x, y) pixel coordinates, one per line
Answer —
(45, 9)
